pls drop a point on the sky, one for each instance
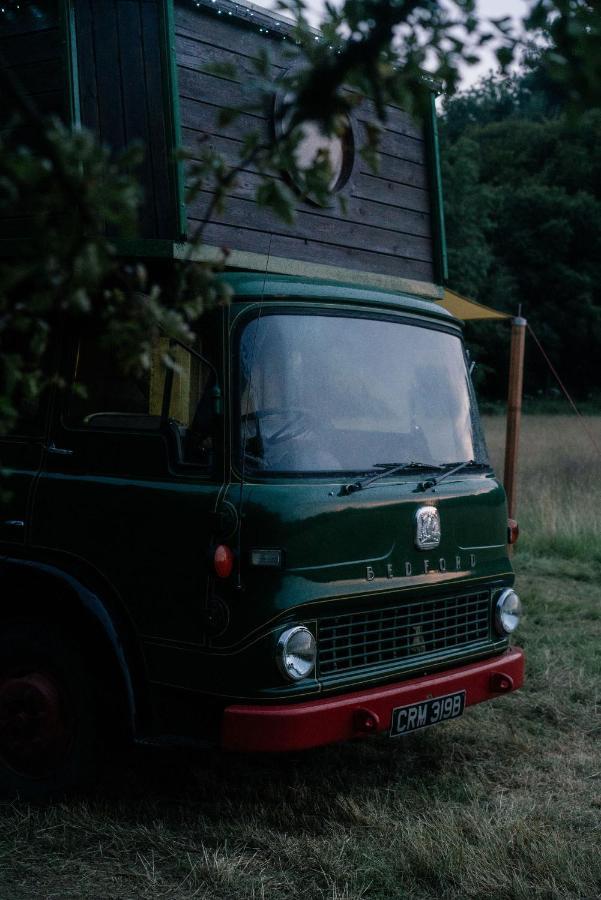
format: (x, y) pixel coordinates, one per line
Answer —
(486, 9)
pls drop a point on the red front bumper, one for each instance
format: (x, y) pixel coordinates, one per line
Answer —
(298, 726)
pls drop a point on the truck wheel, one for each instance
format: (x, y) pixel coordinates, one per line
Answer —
(47, 713)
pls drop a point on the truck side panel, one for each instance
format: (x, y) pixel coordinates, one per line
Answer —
(123, 95)
(31, 45)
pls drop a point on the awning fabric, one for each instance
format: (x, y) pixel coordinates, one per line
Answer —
(469, 309)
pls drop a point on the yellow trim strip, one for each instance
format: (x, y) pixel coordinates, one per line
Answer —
(279, 265)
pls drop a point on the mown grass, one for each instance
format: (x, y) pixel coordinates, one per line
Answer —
(504, 803)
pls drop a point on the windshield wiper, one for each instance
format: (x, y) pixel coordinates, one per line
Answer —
(393, 468)
(390, 469)
(456, 467)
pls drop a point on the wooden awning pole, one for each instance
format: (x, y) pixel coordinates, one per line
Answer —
(514, 411)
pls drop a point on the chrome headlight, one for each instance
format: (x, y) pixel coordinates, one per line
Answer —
(296, 653)
(508, 612)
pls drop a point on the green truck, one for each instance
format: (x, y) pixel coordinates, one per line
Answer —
(295, 538)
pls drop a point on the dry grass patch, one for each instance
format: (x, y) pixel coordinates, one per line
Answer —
(559, 485)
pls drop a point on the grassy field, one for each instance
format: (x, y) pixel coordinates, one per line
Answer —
(504, 803)
(559, 489)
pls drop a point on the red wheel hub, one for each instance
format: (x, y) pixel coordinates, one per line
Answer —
(35, 729)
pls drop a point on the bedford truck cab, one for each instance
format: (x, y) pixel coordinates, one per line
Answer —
(295, 536)
(319, 556)
(372, 531)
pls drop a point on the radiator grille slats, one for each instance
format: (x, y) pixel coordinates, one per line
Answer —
(411, 631)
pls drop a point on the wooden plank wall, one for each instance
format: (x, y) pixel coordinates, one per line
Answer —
(387, 226)
(123, 95)
(30, 44)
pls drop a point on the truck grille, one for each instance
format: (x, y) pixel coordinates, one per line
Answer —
(410, 631)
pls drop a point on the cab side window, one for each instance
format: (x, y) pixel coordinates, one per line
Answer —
(104, 396)
(173, 395)
(185, 391)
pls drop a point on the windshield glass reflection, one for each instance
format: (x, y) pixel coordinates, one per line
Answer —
(341, 393)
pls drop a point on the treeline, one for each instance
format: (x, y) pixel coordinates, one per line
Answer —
(522, 182)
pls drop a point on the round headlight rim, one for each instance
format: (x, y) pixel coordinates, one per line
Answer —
(501, 599)
(281, 651)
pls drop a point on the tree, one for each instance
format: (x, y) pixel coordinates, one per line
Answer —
(523, 184)
(572, 63)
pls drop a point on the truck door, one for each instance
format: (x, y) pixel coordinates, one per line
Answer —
(130, 485)
(20, 460)
(21, 451)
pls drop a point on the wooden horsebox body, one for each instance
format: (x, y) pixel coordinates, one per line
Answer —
(136, 70)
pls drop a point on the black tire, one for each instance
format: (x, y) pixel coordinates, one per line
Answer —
(48, 713)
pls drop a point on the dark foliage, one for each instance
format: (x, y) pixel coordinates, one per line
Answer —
(523, 201)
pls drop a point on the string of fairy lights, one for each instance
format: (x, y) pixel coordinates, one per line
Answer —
(11, 9)
(14, 11)
(259, 19)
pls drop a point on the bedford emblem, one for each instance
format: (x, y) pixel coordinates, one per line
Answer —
(427, 528)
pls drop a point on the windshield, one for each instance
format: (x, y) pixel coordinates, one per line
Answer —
(341, 393)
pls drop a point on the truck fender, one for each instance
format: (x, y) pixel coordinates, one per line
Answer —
(84, 605)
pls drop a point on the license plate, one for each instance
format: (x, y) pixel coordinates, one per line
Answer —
(429, 712)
